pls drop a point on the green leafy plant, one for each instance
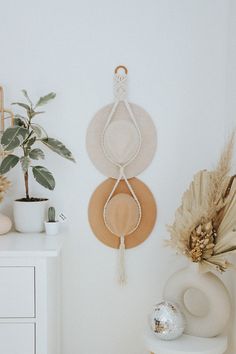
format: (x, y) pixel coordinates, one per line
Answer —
(25, 134)
(51, 214)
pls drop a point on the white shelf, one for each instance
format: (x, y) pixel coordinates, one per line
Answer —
(186, 345)
(17, 244)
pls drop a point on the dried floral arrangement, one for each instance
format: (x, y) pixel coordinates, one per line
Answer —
(4, 185)
(204, 229)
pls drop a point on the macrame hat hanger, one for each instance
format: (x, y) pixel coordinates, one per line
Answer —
(135, 137)
(121, 218)
(121, 153)
(121, 141)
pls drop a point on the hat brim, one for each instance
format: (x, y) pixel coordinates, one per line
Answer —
(148, 219)
(148, 145)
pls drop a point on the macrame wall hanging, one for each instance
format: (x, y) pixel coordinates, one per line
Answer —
(121, 142)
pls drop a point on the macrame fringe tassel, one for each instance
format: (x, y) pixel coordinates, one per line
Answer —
(122, 272)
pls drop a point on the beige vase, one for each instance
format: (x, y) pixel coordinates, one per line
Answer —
(202, 298)
(5, 224)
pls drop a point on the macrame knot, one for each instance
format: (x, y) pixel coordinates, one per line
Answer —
(122, 272)
(120, 87)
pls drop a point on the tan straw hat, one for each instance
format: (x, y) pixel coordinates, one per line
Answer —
(122, 220)
(121, 215)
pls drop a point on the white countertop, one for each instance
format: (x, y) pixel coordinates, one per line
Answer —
(17, 244)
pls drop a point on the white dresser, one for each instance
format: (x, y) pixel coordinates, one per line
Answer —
(30, 293)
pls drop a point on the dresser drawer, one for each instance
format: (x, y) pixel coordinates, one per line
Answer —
(17, 338)
(17, 292)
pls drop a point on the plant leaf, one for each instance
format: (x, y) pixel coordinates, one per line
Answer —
(8, 163)
(19, 122)
(31, 142)
(44, 177)
(13, 137)
(25, 163)
(33, 114)
(27, 97)
(36, 154)
(44, 99)
(58, 147)
(23, 105)
(17, 115)
(39, 131)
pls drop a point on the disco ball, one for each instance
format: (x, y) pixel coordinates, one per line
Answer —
(167, 321)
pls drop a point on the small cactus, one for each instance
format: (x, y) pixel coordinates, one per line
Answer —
(51, 214)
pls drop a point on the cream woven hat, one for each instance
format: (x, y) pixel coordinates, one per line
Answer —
(121, 133)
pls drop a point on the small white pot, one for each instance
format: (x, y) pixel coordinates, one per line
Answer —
(29, 216)
(52, 228)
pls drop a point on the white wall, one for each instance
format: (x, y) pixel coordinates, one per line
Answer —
(176, 52)
(231, 108)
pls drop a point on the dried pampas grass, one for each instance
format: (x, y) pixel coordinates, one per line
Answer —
(204, 229)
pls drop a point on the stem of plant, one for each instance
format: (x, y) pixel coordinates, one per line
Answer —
(26, 177)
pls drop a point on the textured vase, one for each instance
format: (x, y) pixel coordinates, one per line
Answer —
(202, 298)
(5, 224)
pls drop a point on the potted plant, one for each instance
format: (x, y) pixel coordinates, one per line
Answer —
(52, 225)
(29, 212)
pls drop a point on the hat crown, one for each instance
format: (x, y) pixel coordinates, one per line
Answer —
(121, 141)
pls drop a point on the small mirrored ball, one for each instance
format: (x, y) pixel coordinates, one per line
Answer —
(167, 321)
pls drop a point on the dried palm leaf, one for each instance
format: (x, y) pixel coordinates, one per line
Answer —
(220, 178)
(204, 229)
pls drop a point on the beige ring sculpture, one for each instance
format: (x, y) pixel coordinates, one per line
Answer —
(213, 321)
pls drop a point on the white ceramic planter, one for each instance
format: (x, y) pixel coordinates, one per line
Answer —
(29, 216)
(51, 228)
